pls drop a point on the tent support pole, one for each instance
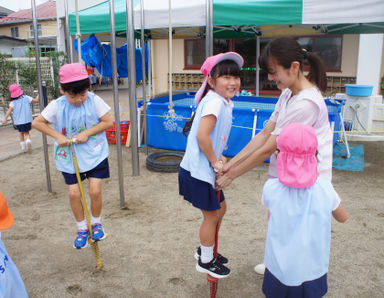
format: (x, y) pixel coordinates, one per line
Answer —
(132, 87)
(170, 58)
(78, 35)
(68, 39)
(257, 65)
(209, 29)
(143, 76)
(116, 102)
(41, 99)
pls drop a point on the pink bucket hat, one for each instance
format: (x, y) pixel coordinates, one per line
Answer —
(72, 72)
(296, 162)
(209, 63)
(15, 90)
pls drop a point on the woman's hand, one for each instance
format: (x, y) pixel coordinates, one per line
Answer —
(224, 179)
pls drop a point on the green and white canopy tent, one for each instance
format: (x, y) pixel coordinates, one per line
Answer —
(339, 17)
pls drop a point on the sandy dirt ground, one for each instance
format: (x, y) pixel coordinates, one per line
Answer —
(149, 252)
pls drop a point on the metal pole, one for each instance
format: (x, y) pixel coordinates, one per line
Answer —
(170, 107)
(78, 34)
(132, 87)
(67, 35)
(209, 29)
(149, 68)
(257, 64)
(144, 77)
(116, 103)
(41, 99)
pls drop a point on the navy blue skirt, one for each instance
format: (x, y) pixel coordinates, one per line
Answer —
(24, 127)
(199, 193)
(273, 288)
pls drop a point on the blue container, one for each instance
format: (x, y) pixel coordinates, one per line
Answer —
(250, 115)
(358, 90)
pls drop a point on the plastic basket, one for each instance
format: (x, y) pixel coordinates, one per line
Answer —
(111, 133)
(358, 90)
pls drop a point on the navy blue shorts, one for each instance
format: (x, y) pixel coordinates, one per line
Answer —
(24, 127)
(200, 193)
(100, 171)
(273, 288)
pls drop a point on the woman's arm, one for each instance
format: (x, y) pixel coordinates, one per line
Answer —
(258, 140)
(252, 160)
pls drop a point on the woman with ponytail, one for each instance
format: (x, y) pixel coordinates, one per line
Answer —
(301, 101)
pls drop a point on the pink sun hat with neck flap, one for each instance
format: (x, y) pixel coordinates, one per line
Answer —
(72, 72)
(296, 162)
(209, 63)
(15, 90)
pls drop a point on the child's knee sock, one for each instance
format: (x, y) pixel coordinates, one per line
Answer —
(82, 225)
(95, 220)
(23, 145)
(206, 253)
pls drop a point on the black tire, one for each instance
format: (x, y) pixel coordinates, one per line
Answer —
(167, 162)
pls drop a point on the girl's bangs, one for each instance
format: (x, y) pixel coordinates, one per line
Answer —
(227, 68)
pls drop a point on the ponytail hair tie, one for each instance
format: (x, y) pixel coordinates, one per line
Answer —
(305, 53)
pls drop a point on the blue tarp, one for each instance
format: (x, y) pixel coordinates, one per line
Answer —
(98, 56)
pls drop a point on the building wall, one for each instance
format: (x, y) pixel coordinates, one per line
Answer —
(49, 28)
(350, 50)
(6, 46)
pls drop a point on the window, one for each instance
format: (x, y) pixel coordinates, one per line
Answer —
(328, 47)
(45, 50)
(195, 51)
(39, 32)
(15, 31)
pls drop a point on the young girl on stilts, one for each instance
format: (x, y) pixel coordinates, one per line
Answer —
(207, 139)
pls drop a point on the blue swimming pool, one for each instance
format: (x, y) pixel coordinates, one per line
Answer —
(250, 115)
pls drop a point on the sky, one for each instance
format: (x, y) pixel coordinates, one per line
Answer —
(17, 5)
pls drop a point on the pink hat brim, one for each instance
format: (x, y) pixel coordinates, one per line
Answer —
(199, 93)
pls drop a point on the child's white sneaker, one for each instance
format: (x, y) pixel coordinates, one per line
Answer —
(28, 142)
(23, 146)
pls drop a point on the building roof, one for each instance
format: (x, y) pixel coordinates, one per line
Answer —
(15, 39)
(47, 10)
(4, 11)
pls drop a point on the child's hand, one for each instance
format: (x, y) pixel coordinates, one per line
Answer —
(81, 137)
(4, 121)
(223, 159)
(217, 166)
(62, 141)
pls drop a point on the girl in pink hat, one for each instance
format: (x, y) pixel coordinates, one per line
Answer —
(208, 133)
(301, 205)
(20, 105)
(83, 116)
(301, 101)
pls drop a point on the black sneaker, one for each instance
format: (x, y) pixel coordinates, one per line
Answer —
(223, 260)
(213, 268)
